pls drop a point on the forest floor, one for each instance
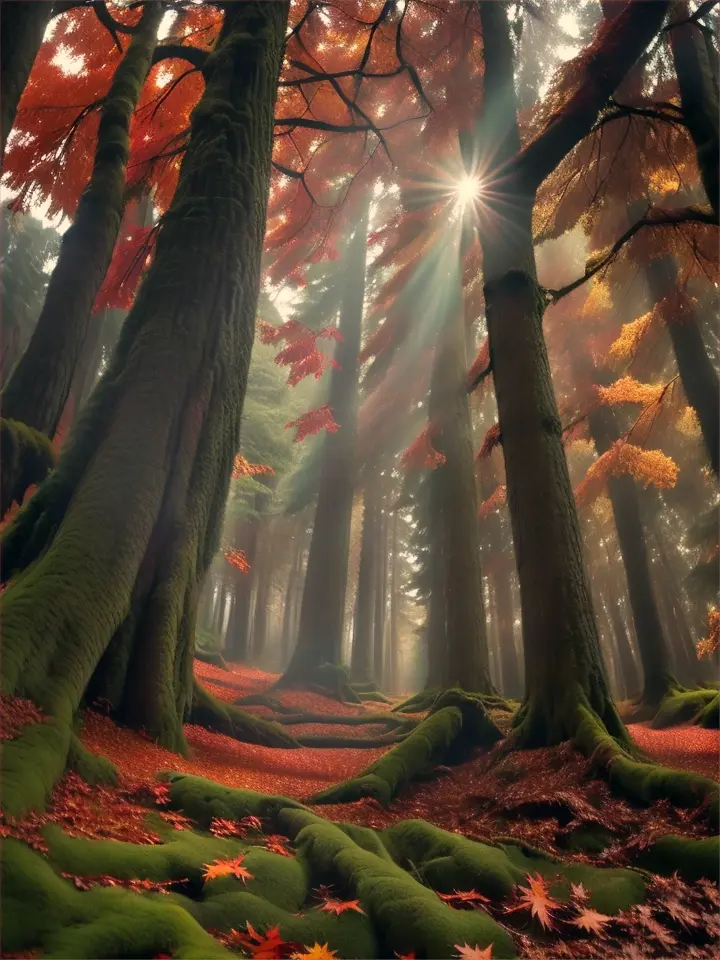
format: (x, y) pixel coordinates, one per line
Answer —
(546, 799)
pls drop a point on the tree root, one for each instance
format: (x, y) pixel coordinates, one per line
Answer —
(263, 700)
(208, 711)
(329, 680)
(214, 658)
(426, 700)
(457, 722)
(641, 781)
(26, 457)
(388, 719)
(357, 743)
(687, 706)
(91, 767)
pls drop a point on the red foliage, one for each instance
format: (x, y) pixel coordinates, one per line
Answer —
(421, 453)
(301, 353)
(243, 468)
(131, 256)
(16, 713)
(237, 558)
(313, 422)
(227, 868)
(260, 946)
(492, 439)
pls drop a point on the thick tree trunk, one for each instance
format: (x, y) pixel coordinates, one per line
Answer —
(563, 665)
(505, 616)
(698, 96)
(322, 613)
(466, 661)
(108, 558)
(22, 25)
(361, 664)
(39, 385)
(697, 373)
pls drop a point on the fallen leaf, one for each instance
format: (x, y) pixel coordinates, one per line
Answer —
(591, 921)
(536, 898)
(466, 952)
(225, 868)
(460, 897)
(316, 952)
(341, 906)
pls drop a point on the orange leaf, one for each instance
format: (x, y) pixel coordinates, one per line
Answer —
(591, 921)
(226, 868)
(316, 952)
(341, 906)
(466, 952)
(536, 898)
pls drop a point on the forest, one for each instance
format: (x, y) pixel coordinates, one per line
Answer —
(359, 452)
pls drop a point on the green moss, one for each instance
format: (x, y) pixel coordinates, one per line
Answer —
(689, 857)
(32, 764)
(91, 767)
(221, 717)
(204, 799)
(406, 914)
(710, 716)
(447, 862)
(42, 911)
(26, 457)
(682, 706)
(383, 779)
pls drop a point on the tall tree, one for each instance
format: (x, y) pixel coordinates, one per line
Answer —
(131, 515)
(39, 386)
(563, 667)
(322, 612)
(22, 25)
(361, 665)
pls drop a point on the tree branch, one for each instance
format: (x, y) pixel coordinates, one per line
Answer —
(193, 55)
(618, 110)
(479, 378)
(620, 42)
(653, 218)
(701, 12)
(112, 25)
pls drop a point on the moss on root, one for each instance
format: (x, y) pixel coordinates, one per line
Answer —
(641, 781)
(328, 679)
(204, 799)
(691, 858)
(687, 706)
(221, 717)
(458, 721)
(91, 767)
(26, 457)
(212, 657)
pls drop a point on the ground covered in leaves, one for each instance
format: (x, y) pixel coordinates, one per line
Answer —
(548, 820)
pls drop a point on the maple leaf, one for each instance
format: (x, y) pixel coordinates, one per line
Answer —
(341, 906)
(405, 956)
(536, 898)
(250, 823)
(591, 921)
(459, 897)
(421, 453)
(466, 952)
(226, 868)
(220, 827)
(578, 892)
(681, 913)
(267, 946)
(313, 422)
(316, 952)
(276, 843)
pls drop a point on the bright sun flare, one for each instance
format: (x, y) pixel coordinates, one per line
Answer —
(467, 189)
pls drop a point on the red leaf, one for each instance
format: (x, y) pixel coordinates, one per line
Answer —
(227, 868)
(460, 897)
(536, 898)
(591, 921)
(313, 422)
(466, 952)
(341, 906)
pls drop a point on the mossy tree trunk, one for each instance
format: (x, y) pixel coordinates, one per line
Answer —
(466, 662)
(698, 97)
(322, 613)
(361, 664)
(22, 25)
(108, 558)
(38, 388)
(564, 673)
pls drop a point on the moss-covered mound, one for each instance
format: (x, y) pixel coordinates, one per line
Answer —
(387, 884)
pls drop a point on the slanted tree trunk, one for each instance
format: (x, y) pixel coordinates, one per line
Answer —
(698, 97)
(565, 679)
(38, 388)
(22, 26)
(361, 663)
(108, 559)
(322, 613)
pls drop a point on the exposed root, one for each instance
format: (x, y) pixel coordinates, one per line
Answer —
(264, 700)
(212, 657)
(457, 722)
(328, 679)
(328, 740)
(26, 457)
(91, 767)
(426, 699)
(220, 717)
(710, 716)
(687, 706)
(351, 720)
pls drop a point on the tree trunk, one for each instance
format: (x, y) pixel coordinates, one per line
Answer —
(697, 373)
(22, 26)
(38, 388)
(291, 592)
(322, 613)
(108, 558)
(505, 616)
(563, 665)
(623, 493)
(394, 672)
(238, 634)
(698, 96)
(266, 568)
(361, 665)
(380, 594)
(466, 661)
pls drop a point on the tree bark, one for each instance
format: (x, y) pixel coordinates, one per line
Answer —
(394, 671)
(268, 534)
(466, 662)
(322, 612)
(698, 97)
(108, 558)
(697, 373)
(22, 26)
(288, 621)
(38, 388)
(563, 666)
(361, 664)
(380, 596)
(238, 634)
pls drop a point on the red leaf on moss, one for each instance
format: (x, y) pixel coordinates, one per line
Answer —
(591, 921)
(536, 898)
(466, 952)
(341, 906)
(461, 897)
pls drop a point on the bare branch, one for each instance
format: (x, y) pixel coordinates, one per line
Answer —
(113, 26)
(653, 218)
(479, 378)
